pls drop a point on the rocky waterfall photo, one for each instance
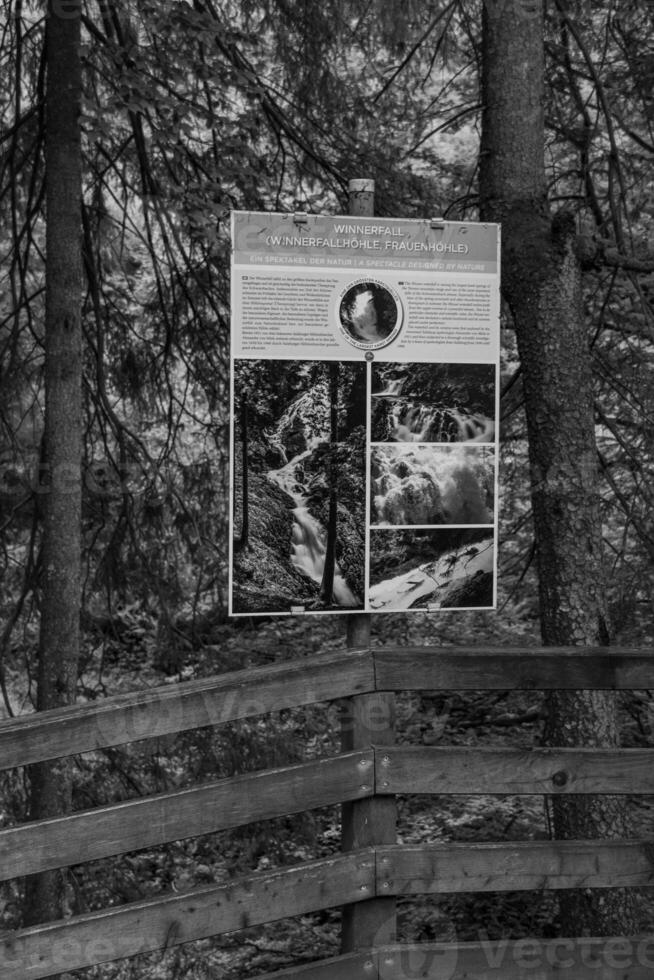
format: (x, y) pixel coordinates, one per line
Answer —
(433, 402)
(426, 485)
(298, 486)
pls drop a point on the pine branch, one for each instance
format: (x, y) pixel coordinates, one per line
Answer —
(276, 116)
(614, 156)
(610, 256)
(416, 47)
(594, 252)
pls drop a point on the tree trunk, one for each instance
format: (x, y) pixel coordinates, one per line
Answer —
(542, 284)
(327, 584)
(50, 783)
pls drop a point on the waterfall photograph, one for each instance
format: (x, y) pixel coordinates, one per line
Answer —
(426, 485)
(433, 402)
(426, 569)
(298, 486)
(370, 314)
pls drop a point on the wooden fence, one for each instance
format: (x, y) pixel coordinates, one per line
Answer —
(364, 877)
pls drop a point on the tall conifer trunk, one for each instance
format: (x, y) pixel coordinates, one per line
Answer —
(541, 282)
(50, 792)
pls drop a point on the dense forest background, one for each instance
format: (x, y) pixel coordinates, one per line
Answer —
(191, 109)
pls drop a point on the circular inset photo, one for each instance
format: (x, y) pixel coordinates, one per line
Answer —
(370, 314)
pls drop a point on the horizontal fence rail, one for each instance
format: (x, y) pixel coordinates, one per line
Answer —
(142, 927)
(506, 959)
(486, 771)
(173, 708)
(382, 870)
(153, 820)
(385, 870)
(521, 959)
(241, 694)
(513, 668)
(352, 966)
(446, 869)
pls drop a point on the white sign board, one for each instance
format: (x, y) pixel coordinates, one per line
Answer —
(365, 369)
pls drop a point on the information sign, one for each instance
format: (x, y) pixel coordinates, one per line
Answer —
(364, 388)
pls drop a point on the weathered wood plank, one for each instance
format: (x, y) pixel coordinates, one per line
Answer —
(153, 820)
(241, 694)
(513, 668)
(141, 927)
(448, 868)
(351, 966)
(610, 958)
(459, 769)
(179, 707)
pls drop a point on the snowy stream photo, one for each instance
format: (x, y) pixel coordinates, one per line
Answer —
(434, 569)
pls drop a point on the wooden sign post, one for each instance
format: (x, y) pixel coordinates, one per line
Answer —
(367, 720)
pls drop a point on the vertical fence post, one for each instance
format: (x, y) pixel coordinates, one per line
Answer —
(367, 720)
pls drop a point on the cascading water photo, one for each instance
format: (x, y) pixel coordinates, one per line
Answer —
(432, 486)
(299, 486)
(426, 485)
(433, 402)
(362, 488)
